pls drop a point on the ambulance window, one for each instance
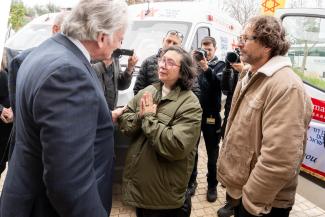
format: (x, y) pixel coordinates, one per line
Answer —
(146, 37)
(307, 50)
(200, 34)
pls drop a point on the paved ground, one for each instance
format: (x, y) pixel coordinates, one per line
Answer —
(302, 207)
(201, 207)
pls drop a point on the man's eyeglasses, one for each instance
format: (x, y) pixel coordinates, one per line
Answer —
(243, 38)
(177, 33)
(168, 63)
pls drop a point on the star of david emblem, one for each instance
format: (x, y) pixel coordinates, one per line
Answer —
(270, 5)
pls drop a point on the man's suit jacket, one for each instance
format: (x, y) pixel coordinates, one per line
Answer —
(63, 157)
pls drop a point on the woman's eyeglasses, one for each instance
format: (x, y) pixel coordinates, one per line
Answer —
(167, 63)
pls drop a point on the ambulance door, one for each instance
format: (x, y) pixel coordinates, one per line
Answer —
(200, 33)
(306, 31)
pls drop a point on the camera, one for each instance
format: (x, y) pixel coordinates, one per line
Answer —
(121, 52)
(199, 54)
(232, 57)
(229, 76)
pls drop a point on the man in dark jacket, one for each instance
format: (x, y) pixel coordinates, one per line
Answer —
(63, 157)
(209, 77)
(113, 79)
(14, 64)
(6, 114)
(148, 71)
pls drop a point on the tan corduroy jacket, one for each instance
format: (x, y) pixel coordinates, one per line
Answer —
(265, 138)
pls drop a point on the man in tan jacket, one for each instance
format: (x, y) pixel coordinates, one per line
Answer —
(266, 133)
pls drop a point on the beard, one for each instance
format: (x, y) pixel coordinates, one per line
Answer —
(250, 58)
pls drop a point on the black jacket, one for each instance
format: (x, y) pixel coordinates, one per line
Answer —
(210, 86)
(112, 79)
(5, 128)
(229, 78)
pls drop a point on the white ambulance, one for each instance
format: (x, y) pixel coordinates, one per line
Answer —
(306, 31)
(150, 22)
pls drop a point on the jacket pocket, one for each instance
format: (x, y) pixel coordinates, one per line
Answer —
(164, 118)
(252, 106)
(235, 167)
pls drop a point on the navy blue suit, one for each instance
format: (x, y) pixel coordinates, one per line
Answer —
(62, 162)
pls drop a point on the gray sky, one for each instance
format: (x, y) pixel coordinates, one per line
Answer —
(61, 3)
(70, 3)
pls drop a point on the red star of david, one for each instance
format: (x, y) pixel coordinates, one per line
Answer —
(270, 8)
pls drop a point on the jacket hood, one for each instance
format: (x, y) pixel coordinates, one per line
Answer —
(274, 64)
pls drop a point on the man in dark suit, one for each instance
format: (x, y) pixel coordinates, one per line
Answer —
(63, 157)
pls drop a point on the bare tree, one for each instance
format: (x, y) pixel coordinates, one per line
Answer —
(301, 3)
(295, 4)
(242, 10)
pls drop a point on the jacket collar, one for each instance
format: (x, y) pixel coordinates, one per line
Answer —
(173, 94)
(65, 41)
(213, 61)
(274, 64)
(62, 39)
(81, 47)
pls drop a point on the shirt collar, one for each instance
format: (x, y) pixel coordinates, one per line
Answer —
(80, 46)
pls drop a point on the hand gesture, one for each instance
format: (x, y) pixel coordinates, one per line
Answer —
(132, 61)
(116, 113)
(203, 64)
(147, 105)
(7, 115)
(238, 66)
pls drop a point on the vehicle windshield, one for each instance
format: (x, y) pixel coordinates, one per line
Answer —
(31, 36)
(146, 37)
(307, 51)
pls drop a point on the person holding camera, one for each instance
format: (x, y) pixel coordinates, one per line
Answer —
(112, 78)
(209, 78)
(229, 78)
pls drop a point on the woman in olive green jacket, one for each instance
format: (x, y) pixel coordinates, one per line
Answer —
(163, 121)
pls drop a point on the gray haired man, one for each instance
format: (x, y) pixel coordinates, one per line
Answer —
(63, 157)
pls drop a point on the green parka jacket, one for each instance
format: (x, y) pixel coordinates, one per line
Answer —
(161, 156)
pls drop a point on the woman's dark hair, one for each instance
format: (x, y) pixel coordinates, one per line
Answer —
(186, 70)
(269, 32)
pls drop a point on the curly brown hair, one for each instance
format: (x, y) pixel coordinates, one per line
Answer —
(269, 32)
(187, 70)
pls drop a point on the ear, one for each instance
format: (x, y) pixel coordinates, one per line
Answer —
(100, 39)
(268, 50)
(55, 29)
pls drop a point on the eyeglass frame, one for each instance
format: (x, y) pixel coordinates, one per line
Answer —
(164, 61)
(177, 33)
(242, 39)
